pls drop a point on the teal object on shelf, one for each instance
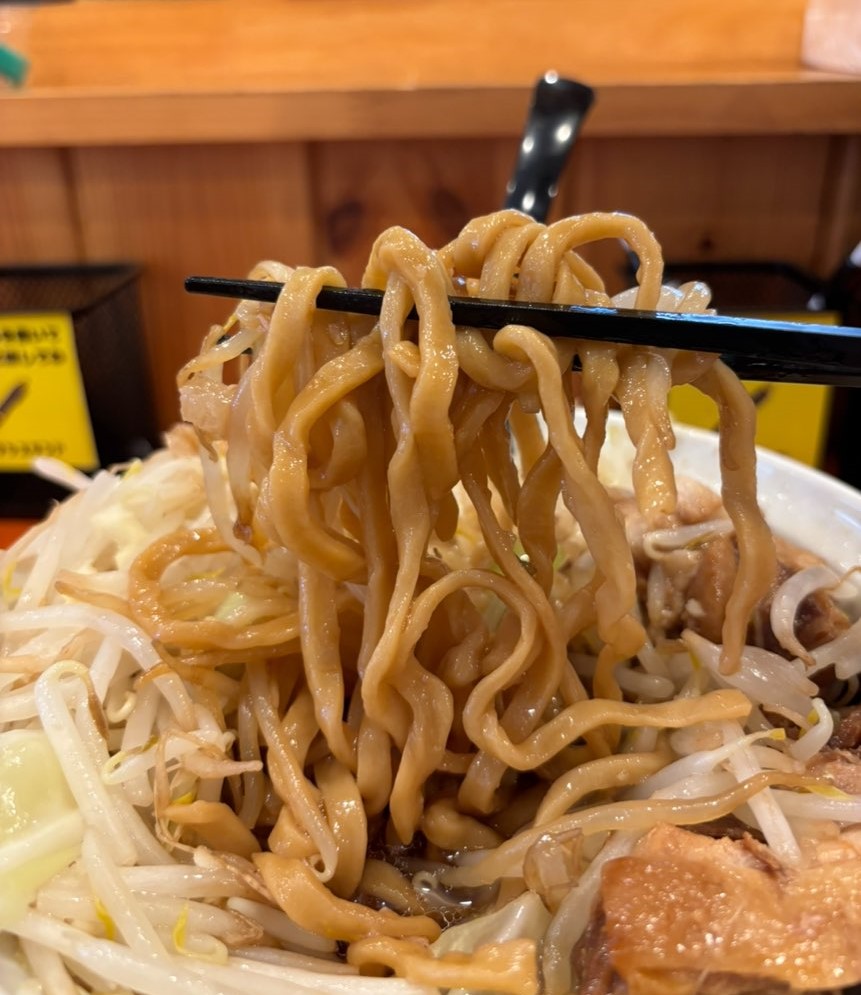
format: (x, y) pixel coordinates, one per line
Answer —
(13, 66)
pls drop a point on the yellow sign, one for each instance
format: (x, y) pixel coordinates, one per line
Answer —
(43, 407)
(791, 418)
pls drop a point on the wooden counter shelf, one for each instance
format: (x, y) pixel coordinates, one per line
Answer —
(201, 135)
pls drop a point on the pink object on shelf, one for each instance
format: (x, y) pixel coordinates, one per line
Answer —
(832, 36)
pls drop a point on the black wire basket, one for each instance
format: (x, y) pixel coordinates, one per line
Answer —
(102, 302)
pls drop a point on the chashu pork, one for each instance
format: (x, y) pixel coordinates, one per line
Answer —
(685, 914)
(697, 582)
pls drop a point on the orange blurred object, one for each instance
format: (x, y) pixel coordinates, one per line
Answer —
(11, 529)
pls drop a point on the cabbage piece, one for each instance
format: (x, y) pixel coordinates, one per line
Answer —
(40, 826)
(523, 918)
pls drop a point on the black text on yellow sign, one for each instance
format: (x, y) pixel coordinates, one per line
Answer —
(43, 407)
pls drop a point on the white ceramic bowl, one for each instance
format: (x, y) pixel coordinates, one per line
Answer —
(804, 505)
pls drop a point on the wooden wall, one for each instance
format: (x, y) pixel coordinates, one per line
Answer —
(217, 209)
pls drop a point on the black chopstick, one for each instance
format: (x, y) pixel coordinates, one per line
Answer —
(788, 351)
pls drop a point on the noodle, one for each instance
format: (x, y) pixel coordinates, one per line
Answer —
(368, 672)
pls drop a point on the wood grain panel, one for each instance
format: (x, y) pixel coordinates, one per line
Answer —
(708, 199)
(178, 211)
(430, 187)
(840, 221)
(37, 220)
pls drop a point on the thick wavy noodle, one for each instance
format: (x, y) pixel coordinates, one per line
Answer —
(359, 675)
